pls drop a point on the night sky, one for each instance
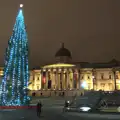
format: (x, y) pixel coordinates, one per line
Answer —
(90, 29)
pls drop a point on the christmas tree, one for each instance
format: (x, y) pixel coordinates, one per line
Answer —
(16, 75)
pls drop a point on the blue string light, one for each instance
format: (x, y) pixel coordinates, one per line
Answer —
(16, 71)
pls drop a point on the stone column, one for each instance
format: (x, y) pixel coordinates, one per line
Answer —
(56, 78)
(68, 80)
(52, 79)
(41, 80)
(114, 74)
(62, 79)
(46, 86)
(33, 84)
(93, 78)
(59, 79)
(73, 79)
(78, 84)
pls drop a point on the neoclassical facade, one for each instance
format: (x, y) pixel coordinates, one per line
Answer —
(68, 75)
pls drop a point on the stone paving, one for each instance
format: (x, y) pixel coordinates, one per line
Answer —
(53, 114)
(50, 100)
(30, 114)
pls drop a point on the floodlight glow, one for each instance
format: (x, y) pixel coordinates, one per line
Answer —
(68, 108)
(21, 5)
(84, 84)
(85, 109)
(93, 77)
(68, 101)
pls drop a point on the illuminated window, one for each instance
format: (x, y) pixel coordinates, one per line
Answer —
(116, 76)
(110, 76)
(1, 73)
(37, 87)
(118, 86)
(102, 86)
(102, 76)
(82, 77)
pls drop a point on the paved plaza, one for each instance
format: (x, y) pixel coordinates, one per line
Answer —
(51, 101)
(52, 110)
(52, 113)
(30, 114)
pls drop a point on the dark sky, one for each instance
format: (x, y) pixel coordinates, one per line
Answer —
(89, 28)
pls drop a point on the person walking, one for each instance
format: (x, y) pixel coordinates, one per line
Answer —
(39, 106)
(66, 106)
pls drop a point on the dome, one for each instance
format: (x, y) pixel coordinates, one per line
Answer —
(63, 52)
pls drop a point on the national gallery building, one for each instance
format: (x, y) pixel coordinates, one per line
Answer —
(66, 75)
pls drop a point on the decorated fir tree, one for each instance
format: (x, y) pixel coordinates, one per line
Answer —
(16, 75)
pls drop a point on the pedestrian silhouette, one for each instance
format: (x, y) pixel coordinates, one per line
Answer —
(39, 106)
